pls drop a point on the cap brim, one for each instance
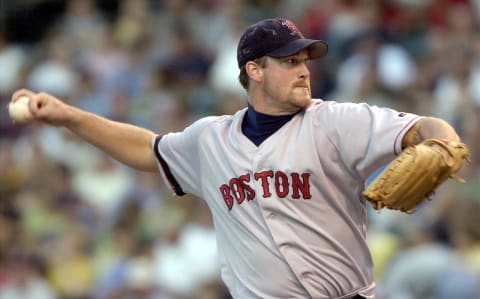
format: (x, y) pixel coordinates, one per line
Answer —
(316, 48)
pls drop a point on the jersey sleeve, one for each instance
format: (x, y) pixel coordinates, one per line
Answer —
(178, 158)
(365, 136)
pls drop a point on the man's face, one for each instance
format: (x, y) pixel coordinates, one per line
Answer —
(286, 83)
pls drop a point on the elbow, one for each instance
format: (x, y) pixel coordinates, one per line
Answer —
(434, 127)
(430, 128)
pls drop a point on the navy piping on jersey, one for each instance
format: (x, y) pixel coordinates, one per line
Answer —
(258, 126)
(171, 179)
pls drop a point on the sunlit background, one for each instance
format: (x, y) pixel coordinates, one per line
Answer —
(75, 224)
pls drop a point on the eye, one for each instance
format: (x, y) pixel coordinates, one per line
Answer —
(291, 61)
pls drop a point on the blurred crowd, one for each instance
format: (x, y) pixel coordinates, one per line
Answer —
(74, 224)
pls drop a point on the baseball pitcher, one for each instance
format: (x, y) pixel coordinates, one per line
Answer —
(285, 176)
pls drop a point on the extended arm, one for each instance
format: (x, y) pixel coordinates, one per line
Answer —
(126, 143)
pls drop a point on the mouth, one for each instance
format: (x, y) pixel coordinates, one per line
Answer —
(301, 85)
(303, 89)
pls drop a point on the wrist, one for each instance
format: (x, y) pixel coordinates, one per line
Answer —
(73, 117)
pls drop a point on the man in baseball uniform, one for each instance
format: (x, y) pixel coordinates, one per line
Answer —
(283, 177)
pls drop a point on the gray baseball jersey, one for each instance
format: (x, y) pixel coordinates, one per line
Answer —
(289, 215)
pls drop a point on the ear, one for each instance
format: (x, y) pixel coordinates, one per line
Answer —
(254, 71)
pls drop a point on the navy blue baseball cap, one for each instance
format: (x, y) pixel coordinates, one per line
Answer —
(276, 37)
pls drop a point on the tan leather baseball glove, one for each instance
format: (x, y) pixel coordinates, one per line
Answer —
(415, 174)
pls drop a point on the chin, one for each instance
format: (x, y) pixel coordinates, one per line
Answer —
(303, 103)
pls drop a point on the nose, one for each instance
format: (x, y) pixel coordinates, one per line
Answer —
(304, 72)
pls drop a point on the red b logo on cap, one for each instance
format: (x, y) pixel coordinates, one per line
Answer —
(291, 27)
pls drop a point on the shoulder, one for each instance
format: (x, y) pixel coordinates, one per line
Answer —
(215, 122)
(347, 113)
(319, 106)
(209, 121)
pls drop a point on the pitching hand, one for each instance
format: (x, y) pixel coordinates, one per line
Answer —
(46, 108)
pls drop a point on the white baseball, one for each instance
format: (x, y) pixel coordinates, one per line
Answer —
(18, 110)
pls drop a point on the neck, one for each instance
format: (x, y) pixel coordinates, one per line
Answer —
(258, 126)
(272, 108)
(259, 119)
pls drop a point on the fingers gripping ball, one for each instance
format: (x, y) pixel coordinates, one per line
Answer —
(415, 174)
(19, 111)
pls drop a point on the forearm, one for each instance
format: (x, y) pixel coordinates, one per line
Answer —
(126, 143)
(430, 127)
